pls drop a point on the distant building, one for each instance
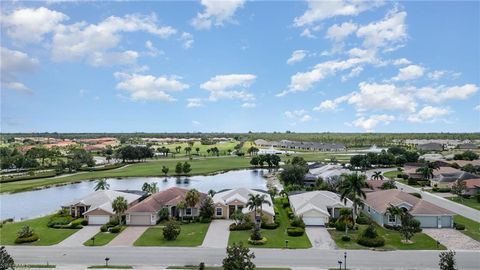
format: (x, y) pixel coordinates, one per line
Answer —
(467, 146)
(312, 146)
(431, 147)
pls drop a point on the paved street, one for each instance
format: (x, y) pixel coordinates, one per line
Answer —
(449, 205)
(128, 236)
(217, 234)
(320, 238)
(163, 256)
(453, 239)
(77, 239)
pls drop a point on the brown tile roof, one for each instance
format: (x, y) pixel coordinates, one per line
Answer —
(462, 163)
(472, 183)
(441, 170)
(381, 200)
(376, 184)
(157, 201)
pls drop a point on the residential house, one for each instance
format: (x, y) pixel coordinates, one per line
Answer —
(429, 215)
(96, 207)
(328, 172)
(444, 179)
(432, 146)
(228, 201)
(317, 207)
(467, 146)
(147, 211)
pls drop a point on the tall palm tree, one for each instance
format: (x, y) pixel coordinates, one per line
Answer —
(119, 206)
(346, 218)
(192, 197)
(377, 175)
(256, 202)
(427, 169)
(212, 192)
(101, 184)
(351, 188)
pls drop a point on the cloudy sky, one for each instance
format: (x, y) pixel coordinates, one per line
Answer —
(236, 66)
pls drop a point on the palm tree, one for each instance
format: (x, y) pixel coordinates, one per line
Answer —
(119, 206)
(192, 197)
(256, 202)
(197, 150)
(211, 192)
(377, 175)
(346, 218)
(181, 206)
(101, 184)
(351, 188)
(427, 169)
(394, 211)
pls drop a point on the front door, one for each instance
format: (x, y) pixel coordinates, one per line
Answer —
(231, 210)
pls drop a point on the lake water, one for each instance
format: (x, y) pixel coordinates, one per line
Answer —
(30, 204)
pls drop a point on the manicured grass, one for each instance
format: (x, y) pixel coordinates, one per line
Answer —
(102, 238)
(276, 238)
(392, 174)
(470, 202)
(48, 236)
(110, 267)
(392, 238)
(220, 268)
(191, 235)
(472, 228)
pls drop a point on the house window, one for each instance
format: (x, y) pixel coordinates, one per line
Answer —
(188, 211)
(219, 211)
(392, 219)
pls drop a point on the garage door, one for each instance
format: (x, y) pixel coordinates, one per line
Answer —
(98, 220)
(140, 219)
(314, 221)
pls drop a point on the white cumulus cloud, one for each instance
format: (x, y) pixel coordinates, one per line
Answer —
(12, 64)
(231, 86)
(445, 93)
(216, 13)
(410, 72)
(297, 56)
(298, 115)
(428, 113)
(369, 123)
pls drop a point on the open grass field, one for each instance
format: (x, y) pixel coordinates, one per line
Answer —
(191, 235)
(276, 238)
(102, 238)
(470, 202)
(47, 236)
(392, 238)
(472, 228)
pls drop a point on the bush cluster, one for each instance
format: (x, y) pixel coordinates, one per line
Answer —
(259, 242)
(34, 237)
(270, 226)
(364, 219)
(346, 238)
(297, 222)
(370, 238)
(112, 223)
(116, 229)
(295, 231)
(459, 226)
(241, 227)
(441, 190)
(171, 231)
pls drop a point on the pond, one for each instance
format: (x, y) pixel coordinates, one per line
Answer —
(30, 204)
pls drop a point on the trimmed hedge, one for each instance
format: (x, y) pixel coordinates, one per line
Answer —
(295, 231)
(459, 226)
(104, 168)
(7, 179)
(269, 226)
(346, 238)
(290, 213)
(371, 242)
(115, 229)
(297, 222)
(364, 220)
(240, 227)
(262, 241)
(21, 240)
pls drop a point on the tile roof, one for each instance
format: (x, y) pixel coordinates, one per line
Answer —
(242, 194)
(381, 200)
(319, 199)
(157, 201)
(102, 199)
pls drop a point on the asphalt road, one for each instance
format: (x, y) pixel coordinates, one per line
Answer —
(442, 202)
(164, 256)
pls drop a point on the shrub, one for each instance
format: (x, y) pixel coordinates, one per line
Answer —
(416, 194)
(285, 203)
(331, 222)
(77, 223)
(371, 242)
(370, 232)
(391, 227)
(259, 242)
(113, 222)
(423, 183)
(34, 237)
(412, 181)
(255, 234)
(459, 226)
(345, 238)
(290, 213)
(270, 226)
(340, 226)
(25, 232)
(171, 231)
(295, 231)
(163, 214)
(363, 219)
(205, 220)
(241, 226)
(104, 228)
(84, 222)
(57, 221)
(297, 222)
(115, 229)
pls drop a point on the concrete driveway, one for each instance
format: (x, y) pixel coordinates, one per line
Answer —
(128, 236)
(320, 238)
(217, 234)
(77, 239)
(453, 239)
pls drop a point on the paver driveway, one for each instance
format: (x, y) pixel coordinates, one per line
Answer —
(320, 238)
(77, 239)
(217, 234)
(453, 239)
(128, 236)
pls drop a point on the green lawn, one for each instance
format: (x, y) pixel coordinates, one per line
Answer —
(110, 267)
(393, 239)
(191, 235)
(102, 238)
(276, 238)
(391, 174)
(48, 236)
(472, 228)
(187, 267)
(470, 202)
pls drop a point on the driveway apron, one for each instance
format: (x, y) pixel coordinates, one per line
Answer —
(77, 239)
(217, 234)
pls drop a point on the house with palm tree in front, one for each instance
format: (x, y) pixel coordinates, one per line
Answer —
(252, 202)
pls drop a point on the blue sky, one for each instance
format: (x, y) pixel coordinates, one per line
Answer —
(238, 66)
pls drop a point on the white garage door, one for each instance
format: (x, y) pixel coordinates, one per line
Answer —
(140, 219)
(98, 220)
(314, 221)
